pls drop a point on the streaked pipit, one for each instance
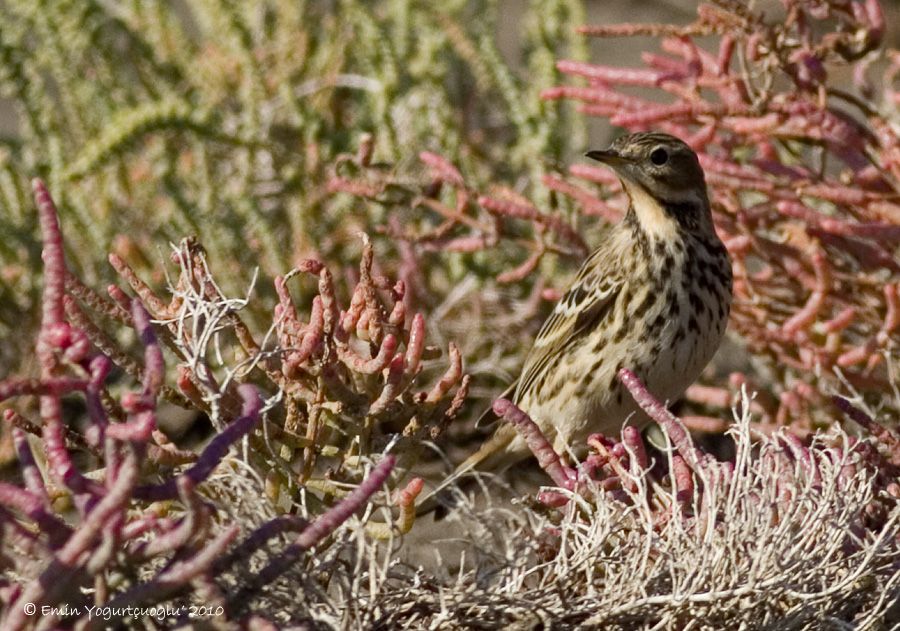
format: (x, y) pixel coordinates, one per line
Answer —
(653, 297)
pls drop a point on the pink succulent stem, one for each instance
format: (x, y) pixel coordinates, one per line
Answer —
(416, 343)
(684, 481)
(442, 169)
(341, 512)
(321, 528)
(260, 537)
(631, 438)
(391, 386)
(890, 439)
(669, 423)
(52, 324)
(154, 366)
(612, 74)
(450, 377)
(375, 364)
(213, 453)
(63, 572)
(53, 386)
(179, 534)
(143, 422)
(806, 316)
(171, 580)
(54, 265)
(524, 270)
(547, 457)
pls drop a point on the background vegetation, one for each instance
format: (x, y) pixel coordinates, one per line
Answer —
(343, 223)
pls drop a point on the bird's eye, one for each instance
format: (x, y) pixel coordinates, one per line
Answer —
(659, 156)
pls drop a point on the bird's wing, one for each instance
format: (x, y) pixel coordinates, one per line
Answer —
(588, 300)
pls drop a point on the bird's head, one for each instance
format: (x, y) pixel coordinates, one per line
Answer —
(663, 178)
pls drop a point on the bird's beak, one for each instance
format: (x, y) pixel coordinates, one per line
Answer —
(621, 165)
(608, 157)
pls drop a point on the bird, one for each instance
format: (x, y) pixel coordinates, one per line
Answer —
(653, 297)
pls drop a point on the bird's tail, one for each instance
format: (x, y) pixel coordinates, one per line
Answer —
(493, 456)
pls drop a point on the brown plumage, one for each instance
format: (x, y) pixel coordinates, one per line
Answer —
(653, 297)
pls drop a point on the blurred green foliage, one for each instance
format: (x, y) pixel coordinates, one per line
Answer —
(152, 120)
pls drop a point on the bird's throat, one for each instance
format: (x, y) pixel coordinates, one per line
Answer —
(652, 216)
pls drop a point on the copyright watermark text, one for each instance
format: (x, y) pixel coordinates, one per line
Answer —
(104, 612)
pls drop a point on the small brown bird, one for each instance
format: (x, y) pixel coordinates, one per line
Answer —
(653, 297)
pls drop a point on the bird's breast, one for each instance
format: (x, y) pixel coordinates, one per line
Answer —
(666, 325)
